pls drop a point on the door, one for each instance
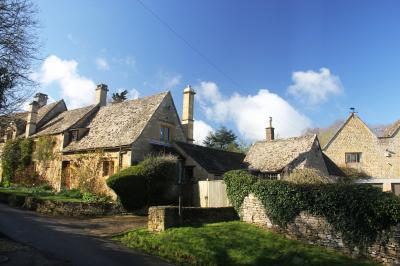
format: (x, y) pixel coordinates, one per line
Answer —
(66, 175)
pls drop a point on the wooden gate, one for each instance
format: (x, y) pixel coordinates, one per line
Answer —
(213, 194)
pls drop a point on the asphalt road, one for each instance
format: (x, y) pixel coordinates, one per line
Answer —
(66, 241)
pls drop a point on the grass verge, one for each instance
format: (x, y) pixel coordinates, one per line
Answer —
(231, 243)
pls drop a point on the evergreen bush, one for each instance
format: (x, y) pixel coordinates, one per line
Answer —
(147, 183)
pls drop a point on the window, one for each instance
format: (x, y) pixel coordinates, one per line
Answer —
(165, 134)
(353, 157)
(271, 176)
(73, 135)
(108, 168)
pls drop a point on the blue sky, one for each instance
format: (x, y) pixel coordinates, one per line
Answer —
(302, 62)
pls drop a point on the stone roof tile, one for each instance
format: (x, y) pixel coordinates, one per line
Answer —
(275, 155)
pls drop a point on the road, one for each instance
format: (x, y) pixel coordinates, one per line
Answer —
(69, 240)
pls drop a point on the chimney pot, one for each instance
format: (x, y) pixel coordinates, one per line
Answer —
(101, 94)
(41, 99)
(270, 131)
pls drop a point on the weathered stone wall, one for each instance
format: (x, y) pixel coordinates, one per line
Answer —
(316, 230)
(355, 136)
(164, 217)
(64, 208)
(315, 159)
(165, 115)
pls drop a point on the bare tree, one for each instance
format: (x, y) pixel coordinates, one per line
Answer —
(18, 48)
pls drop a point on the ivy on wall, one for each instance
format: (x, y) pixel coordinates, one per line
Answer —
(361, 213)
(44, 149)
(17, 155)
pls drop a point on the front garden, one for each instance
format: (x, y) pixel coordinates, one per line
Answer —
(231, 243)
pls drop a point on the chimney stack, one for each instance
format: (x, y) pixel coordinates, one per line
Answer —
(41, 99)
(32, 119)
(270, 131)
(187, 115)
(101, 94)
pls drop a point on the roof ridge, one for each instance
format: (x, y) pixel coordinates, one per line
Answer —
(210, 148)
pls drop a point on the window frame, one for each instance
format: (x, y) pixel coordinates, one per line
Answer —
(108, 168)
(352, 157)
(165, 133)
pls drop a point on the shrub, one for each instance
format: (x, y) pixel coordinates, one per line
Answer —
(146, 183)
(361, 213)
(70, 193)
(308, 176)
(16, 157)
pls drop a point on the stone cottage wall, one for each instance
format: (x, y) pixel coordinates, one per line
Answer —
(316, 230)
(357, 137)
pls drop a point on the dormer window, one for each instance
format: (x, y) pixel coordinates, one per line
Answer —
(165, 134)
(73, 135)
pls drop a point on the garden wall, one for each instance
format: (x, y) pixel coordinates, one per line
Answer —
(316, 230)
(164, 217)
(66, 208)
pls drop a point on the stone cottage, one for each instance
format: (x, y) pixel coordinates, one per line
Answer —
(375, 156)
(277, 158)
(113, 136)
(121, 133)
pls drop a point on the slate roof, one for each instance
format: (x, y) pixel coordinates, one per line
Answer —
(275, 155)
(212, 160)
(389, 131)
(20, 118)
(64, 121)
(118, 124)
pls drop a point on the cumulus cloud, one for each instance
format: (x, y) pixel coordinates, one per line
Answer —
(200, 131)
(102, 63)
(315, 87)
(75, 88)
(169, 81)
(249, 113)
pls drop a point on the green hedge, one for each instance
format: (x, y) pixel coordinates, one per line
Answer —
(361, 213)
(147, 183)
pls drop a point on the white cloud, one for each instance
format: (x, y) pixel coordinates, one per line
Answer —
(315, 87)
(173, 81)
(200, 131)
(125, 60)
(76, 89)
(102, 63)
(250, 113)
(133, 94)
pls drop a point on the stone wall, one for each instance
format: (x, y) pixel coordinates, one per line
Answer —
(316, 230)
(164, 217)
(380, 156)
(64, 208)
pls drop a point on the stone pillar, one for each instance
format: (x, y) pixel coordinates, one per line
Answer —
(187, 114)
(270, 131)
(32, 119)
(101, 94)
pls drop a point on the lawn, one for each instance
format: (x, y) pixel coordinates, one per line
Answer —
(231, 243)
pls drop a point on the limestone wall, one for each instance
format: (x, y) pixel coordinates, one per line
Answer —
(316, 230)
(357, 137)
(166, 115)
